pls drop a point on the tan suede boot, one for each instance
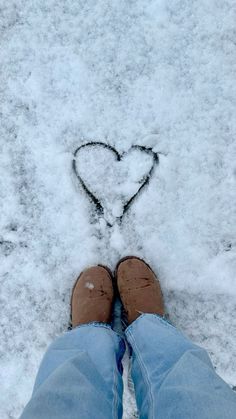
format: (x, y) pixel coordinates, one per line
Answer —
(92, 297)
(139, 288)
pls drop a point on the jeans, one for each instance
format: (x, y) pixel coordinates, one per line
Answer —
(80, 376)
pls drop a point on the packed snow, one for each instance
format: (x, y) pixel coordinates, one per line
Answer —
(89, 285)
(154, 73)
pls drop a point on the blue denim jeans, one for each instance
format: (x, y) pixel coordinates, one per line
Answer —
(80, 376)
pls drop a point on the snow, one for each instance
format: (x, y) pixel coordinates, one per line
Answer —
(113, 179)
(159, 74)
(89, 285)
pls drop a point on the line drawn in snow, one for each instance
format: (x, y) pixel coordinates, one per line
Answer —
(141, 177)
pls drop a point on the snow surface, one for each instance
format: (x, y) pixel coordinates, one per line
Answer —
(113, 182)
(151, 72)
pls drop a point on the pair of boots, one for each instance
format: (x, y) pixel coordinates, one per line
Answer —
(94, 291)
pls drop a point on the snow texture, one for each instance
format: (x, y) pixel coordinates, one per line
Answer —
(156, 73)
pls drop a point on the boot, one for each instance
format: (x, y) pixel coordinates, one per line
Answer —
(92, 297)
(139, 288)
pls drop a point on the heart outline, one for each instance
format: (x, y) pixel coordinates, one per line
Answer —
(92, 196)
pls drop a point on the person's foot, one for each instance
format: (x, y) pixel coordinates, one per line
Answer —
(139, 288)
(92, 297)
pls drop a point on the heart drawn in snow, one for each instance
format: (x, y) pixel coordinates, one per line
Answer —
(112, 180)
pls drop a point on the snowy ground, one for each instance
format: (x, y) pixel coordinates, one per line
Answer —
(156, 73)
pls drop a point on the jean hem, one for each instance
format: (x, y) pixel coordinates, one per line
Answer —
(162, 319)
(92, 324)
(101, 325)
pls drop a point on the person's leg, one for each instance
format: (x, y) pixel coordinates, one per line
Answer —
(81, 373)
(80, 376)
(173, 378)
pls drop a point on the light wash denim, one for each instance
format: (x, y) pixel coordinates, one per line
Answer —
(80, 376)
